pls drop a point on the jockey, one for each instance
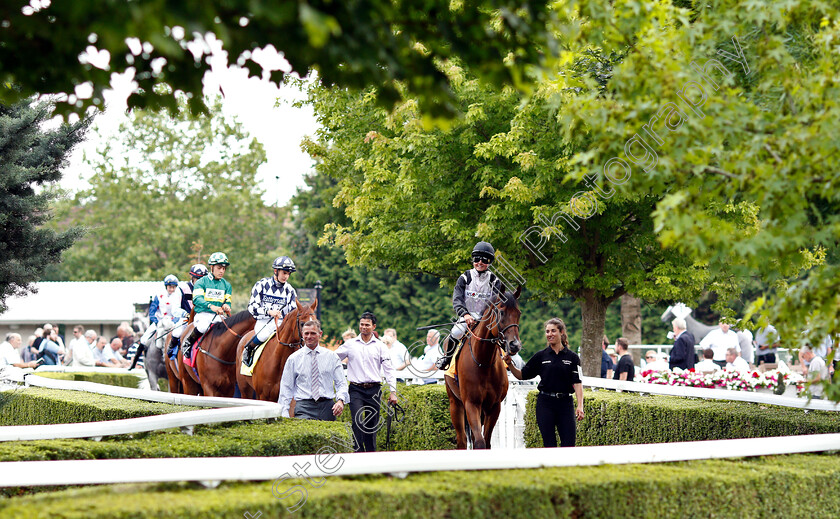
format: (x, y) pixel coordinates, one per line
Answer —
(472, 294)
(271, 297)
(197, 272)
(162, 310)
(211, 299)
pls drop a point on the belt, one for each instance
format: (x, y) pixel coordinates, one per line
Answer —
(556, 395)
(319, 400)
(365, 385)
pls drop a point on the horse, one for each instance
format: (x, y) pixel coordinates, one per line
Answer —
(265, 381)
(482, 376)
(215, 361)
(698, 329)
(172, 367)
(154, 361)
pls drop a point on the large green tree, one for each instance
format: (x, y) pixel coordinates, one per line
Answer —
(53, 47)
(166, 193)
(418, 199)
(31, 159)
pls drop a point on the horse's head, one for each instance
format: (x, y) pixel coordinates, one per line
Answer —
(508, 325)
(306, 313)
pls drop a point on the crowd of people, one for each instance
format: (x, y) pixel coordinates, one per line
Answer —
(86, 348)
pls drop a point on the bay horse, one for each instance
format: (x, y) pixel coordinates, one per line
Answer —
(172, 366)
(482, 382)
(265, 381)
(215, 360)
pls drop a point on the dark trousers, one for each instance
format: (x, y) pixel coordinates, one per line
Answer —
(556, 414)
(314, 409)
(768, 358)
(721, 363)
(364, 411)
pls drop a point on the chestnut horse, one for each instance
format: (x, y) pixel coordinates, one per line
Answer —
(482, 376)
(265, 381)
(172, 366)
(215, 360)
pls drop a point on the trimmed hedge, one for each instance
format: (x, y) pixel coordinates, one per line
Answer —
(426, 424)
(794, 485)
(42, 406)
(111, 379)
(629, 418)
(282, 438)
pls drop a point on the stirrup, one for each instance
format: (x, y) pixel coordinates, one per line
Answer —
(443, 362)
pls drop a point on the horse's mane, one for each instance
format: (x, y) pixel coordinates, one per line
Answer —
(231, 322)
(510, 302)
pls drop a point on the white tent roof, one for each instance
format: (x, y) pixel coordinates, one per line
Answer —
(82, 302)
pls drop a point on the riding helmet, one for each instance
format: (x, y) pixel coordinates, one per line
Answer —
(218, 258)
(198, 270)
(284, 263)
(484, 250)
(170, 280)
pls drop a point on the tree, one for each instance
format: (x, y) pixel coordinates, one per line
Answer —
(418, 200)
(166, 193)
(56, 47)
(31, 159)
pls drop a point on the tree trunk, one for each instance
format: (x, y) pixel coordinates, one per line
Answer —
(631, 323)
(594, 310)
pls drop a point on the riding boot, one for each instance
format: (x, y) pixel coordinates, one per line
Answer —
(248, 352)
(189, 341)
(173, 346)
(449, 346)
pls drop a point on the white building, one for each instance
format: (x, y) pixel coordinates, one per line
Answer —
(97, 305)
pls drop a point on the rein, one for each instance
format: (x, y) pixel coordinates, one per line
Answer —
(217, 359)
(293, 345)
(497, 340)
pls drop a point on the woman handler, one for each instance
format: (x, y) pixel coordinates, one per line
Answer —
(559, 371)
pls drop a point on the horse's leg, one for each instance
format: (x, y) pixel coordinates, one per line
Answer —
(456, 413)
(174, 381)
(474, 419)
(188, 385)
(245, 383)
(491, 416)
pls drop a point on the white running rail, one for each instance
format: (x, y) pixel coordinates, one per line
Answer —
(86, 472)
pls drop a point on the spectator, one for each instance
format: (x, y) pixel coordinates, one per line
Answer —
(719, 341)
(400, 359)
(314, 377)
(745, 341)
(431, 352)
(625, 370)
(90, 340)
(367, 357)
(682, 354)
(607, 365)
(103, 355)
(349, 334)
(126, 336)
(116, 348)
(58, 340)
(79, 352)
(817, 371)
(613, 358)
(654, 363)
(735, 362)
(707, 365)
(35, 340)
(766, 343)
(10, 353)
(49, 349)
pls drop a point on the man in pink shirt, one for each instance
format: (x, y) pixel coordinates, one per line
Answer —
(366, 356)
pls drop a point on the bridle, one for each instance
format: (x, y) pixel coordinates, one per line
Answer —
(293, 345)
(499, 340)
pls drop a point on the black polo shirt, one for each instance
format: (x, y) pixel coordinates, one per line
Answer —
(559, 372)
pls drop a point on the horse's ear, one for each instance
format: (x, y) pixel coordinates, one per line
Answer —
(314, 304)
(299, 306)
(518, 292)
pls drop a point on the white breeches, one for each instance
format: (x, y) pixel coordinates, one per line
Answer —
(265, 327)
(203, 320)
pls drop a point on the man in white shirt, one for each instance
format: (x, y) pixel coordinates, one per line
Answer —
(367, 359)
(314, 377)
(706, 365)
(10, 353)
(817, 371)
(78, 350)
(400, 358)
(735, 362)
(719, 341)
(431, 352)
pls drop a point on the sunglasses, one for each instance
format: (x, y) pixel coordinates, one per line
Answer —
(478, 259)
(647, 358)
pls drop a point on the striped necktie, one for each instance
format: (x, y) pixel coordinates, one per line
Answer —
(315, 377)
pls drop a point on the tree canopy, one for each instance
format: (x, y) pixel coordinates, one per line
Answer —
(56, 47)
(166, 193)
(31, 159)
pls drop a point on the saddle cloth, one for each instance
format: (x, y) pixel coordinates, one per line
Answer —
(190, 361)
(452, 370)
(248, 371)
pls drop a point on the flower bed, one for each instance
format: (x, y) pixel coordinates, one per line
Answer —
(775, 380)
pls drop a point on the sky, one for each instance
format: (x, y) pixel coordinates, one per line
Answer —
(264, 110)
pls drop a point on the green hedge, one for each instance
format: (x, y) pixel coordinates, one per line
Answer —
(42, 406)
(426, 425)
(795, 485)
(625, 418)
(258, 438)
(111, 379)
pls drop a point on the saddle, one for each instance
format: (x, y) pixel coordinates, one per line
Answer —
(248, 371)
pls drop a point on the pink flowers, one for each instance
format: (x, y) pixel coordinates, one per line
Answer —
(725, 379)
